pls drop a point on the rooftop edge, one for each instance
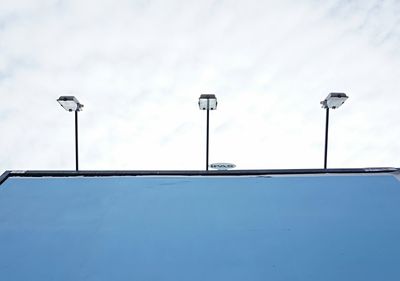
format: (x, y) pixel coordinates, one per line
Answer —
(256, 172)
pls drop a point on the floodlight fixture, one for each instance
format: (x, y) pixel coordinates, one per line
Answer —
(207, 102)
(71, 104)
(333, 100)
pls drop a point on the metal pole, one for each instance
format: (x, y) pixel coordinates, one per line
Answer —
(326, 137)
(76, 140)
(208, 127)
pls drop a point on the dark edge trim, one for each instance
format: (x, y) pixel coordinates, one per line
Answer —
(110, 173)
(4, 176)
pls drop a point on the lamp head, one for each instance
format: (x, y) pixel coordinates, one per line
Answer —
(207, 102)
(70, 103)
(334, 100)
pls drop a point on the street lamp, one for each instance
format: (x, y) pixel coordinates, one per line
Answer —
(333, 100)
(207, 102)
(70, 103)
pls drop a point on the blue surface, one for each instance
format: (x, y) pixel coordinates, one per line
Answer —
(200, 228)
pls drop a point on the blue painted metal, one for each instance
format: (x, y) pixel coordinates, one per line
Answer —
(334, 227)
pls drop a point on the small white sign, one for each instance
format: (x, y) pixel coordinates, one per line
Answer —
(222, 166)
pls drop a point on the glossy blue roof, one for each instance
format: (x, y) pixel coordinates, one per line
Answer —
(333, 227)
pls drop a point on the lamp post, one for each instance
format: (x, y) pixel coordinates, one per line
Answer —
(70, 104)
(333, 100)
(207, 102)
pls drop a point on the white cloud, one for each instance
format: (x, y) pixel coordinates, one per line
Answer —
(139, 67)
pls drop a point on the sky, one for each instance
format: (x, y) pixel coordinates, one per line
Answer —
(139, 68)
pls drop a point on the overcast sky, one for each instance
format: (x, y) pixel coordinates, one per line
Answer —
(139, 67)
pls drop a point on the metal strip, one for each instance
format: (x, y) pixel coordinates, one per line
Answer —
(110, 173)
(4, 176)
